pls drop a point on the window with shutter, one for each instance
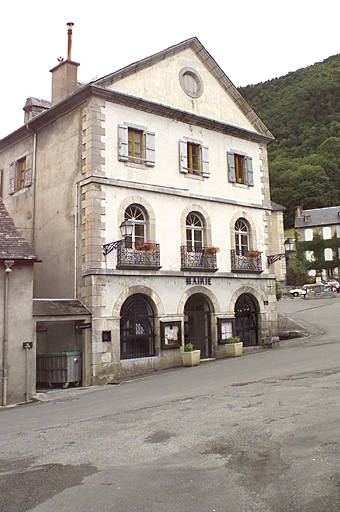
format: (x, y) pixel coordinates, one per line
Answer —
(20, 174)
(194, 158)
(240, 169)
(136, 145)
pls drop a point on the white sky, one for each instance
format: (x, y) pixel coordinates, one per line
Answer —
(251, 40)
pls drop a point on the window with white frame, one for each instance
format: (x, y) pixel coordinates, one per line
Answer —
(326, 232)
(20, 174)
(241, 237)
(308, 235)
(240, 169)
(328, 254)
(136, 144)
(194, 232)
(136, 215)
(194, 158)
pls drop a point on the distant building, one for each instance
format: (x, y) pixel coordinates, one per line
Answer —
(168, 148)
(318, 232)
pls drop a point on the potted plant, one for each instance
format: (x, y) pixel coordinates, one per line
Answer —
(254, 253)
(146, 246)
(234, 346)
(211, 250)
(190, 356)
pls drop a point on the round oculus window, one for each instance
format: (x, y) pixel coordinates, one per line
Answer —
(191, 82)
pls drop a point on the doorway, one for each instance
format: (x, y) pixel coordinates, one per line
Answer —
(197, 323)
(246, 314)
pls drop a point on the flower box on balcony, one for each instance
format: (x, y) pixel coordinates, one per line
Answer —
(139, 256)
(250, 262)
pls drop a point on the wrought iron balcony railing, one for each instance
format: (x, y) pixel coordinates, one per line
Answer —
(245, 263)
(200, 259)
(131, 255)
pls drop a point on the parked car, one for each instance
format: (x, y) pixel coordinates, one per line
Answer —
(334, 285)
(298, 292)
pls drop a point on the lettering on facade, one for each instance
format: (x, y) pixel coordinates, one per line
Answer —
(206, 281)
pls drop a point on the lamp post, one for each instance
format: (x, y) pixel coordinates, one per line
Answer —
(126, 229)
(289, 245)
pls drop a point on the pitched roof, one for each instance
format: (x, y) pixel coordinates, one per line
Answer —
(208, 62)
(276, 207)
(318, 217)
(59, 307)
(12, 244)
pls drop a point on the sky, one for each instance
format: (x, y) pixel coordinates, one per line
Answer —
(251, 40)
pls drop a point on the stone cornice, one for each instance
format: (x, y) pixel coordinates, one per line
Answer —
(81, 95)
(173, 191)
(179, 115)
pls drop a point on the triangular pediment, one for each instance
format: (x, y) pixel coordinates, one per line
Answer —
(185, 77)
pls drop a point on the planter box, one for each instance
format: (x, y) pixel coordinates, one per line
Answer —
(234, 349)
(191, 358)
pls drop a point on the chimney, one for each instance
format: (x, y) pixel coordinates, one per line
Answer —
(298, 213)
(64, 76)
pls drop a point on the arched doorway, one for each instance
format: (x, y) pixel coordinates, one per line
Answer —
(246, 313)
(137, 328)
(197, 324)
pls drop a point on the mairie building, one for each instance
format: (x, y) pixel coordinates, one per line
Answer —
(146, 195)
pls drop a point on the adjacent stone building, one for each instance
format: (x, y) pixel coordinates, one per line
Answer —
(318, 235)
(17, 328)
(168, 148)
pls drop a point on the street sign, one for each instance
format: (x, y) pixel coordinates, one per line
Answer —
(84, 326)
(27, 344)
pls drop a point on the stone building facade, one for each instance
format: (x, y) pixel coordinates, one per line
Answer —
(17, 328)
(169, 146)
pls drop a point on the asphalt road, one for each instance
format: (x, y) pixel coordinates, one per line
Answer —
(258, 433)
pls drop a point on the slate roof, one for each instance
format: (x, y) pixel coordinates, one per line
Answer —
(318, 217)
(276, 207)
(59, 307)
(13, 246)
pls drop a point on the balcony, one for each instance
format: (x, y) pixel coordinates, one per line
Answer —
(247, 264)
(199, 260)
(137, 256)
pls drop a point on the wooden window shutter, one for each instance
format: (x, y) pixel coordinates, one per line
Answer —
(205, 162)
(28, 172)
(231, 167)
(123, 143)
(150, 149)
(250, 173)
(183, 156)
(12, 169)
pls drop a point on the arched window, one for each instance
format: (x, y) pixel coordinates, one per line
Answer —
(136, 215)
(241, 237)
(194, 233)
(137, 330)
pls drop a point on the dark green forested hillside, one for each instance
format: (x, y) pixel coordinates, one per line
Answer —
(302, 110)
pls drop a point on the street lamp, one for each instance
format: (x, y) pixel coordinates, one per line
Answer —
(289, 245)
(126, 229)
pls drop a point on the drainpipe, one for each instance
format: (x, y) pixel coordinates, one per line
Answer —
(8, 269)
(34, 163)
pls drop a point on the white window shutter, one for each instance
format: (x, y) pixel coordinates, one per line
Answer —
(123, 143)
(28, 173)
(183, 156)
(250, 172)
(205, 162)
(150, 149)
(231, 167)
(12, 168)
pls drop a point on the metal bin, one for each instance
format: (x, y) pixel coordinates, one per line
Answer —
(59, 368)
